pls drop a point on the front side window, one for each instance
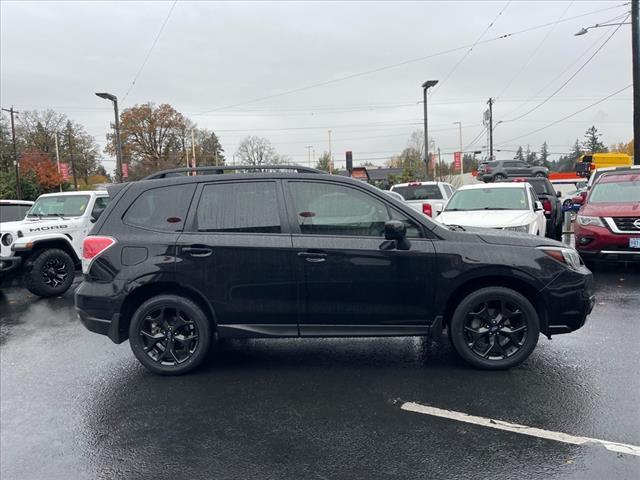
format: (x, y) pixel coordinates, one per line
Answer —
(246, 207)
(162, 208)
(326, 209)
(99, 206)
(488, 199)
(59, 206)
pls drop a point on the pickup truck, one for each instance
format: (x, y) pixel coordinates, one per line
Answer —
(45, 248)
(426, 197)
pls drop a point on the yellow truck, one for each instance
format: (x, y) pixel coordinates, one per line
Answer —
(592, 161)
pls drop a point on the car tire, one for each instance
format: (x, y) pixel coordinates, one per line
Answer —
(540, 175)
(498, 177)
(170, 335)
(49, 273)
(490, 315)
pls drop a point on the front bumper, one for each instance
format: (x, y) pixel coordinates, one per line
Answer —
(9, 265)
(601, 244)
(569, 299)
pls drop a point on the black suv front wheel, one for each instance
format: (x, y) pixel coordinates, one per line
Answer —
(494, 328)
(170, 335)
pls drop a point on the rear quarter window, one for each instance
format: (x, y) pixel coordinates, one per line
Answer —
(161, 208)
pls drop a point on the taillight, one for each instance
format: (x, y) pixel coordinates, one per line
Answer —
(92, 247)
(426, 209)
(546, 205)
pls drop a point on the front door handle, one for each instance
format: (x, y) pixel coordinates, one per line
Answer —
(198, 251)
(313, 257)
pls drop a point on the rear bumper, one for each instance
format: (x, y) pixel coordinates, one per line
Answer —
(100, 313)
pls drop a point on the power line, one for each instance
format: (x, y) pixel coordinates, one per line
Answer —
(468, 52)
(571, 115)
(406, 62)
(535, 51)
(153, 45)
(569, 79)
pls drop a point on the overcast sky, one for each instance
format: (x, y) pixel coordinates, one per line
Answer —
(215, 61)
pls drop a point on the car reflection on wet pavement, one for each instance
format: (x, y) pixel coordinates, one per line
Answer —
(73, 405)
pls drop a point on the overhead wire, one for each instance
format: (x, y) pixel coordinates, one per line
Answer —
(399, 64)
(153, 45)
(568, 80)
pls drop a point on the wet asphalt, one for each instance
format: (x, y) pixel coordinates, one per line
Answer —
(75, 405)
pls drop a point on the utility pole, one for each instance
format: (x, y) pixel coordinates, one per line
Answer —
(439, 164)
(73, 163)
(193, 148)
(58, 157)
(309, 147)
(490, 102)
(635, 54)
(330, 155)
(12, 112)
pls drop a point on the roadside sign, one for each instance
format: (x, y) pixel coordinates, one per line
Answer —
(457, 160)
(64, 171)
(125, 170)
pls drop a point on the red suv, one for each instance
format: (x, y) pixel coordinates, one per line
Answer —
(608, 224)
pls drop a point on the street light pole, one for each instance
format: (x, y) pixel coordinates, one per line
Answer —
(114, 100)
(426, 86)
(12, 112)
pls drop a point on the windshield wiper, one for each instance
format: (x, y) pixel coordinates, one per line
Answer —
(457, 227)
(59, 215)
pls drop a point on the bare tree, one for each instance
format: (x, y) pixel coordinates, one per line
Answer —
(258, 151)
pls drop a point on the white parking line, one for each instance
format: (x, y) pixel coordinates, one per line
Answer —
(521, 429)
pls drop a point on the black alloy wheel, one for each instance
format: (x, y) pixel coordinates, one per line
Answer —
(495, 328)
(54, 272)
(169, 334)
(540, 175)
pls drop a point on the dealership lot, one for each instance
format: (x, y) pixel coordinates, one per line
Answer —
(73, 405)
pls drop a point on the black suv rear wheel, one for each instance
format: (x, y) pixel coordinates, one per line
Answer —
(170, 335)
(494, 328)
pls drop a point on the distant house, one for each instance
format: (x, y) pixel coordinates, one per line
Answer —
(379, 176)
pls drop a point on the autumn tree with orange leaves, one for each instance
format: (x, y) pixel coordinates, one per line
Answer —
(42, 167)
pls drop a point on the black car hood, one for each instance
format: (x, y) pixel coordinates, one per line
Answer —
(505, 237)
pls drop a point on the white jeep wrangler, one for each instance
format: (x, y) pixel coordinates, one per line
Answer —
(46, 246)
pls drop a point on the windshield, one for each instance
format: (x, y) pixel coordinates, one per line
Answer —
(419, 192)
(616, 191)
(60, 205)
(488, 199)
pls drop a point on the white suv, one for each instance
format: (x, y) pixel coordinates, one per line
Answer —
(46, 247)
(426, 197)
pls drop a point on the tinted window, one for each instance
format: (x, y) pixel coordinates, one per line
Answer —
(247, 207)
(542, 187)
(419, 192)
(11, 213)
(163, 208)
(326, 209)
(99, 206)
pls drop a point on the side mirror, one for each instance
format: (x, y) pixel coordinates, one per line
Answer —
(558, 194)
(395, 234)
(538, 206)
(95, 215)
(579, 200)
(395, 230)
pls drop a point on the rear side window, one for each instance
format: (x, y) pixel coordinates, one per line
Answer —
(542, 187)
(419, 192)
(11, 213)
(246, 207)
(162, 208)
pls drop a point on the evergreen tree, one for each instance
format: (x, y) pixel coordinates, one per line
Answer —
(324, 162)
(592, 142)
(519, 154)
(544, 155)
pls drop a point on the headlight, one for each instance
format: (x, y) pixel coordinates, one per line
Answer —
(7, 239)
(519, 228)
(584, 220)
(568, 256)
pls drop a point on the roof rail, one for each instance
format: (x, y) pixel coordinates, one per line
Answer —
(221, 169)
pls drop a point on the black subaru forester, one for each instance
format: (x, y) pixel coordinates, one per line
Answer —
(178, 261)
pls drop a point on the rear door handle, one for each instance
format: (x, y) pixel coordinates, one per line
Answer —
(198, 251)
(313, 257)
